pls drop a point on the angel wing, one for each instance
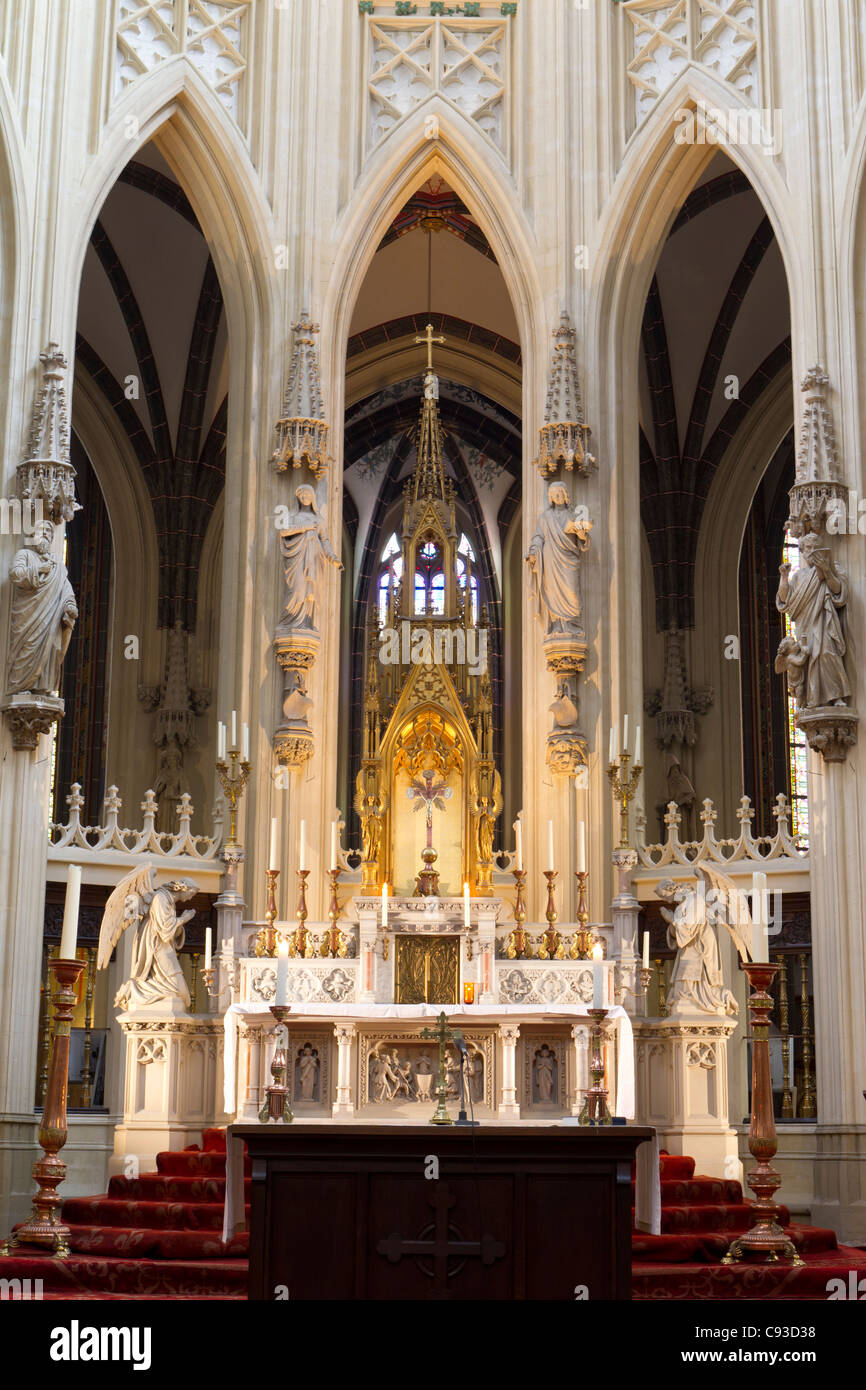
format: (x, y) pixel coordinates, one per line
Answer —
(126, 905)
(737, 907)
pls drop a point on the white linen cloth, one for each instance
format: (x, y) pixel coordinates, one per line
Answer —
(648, 1191)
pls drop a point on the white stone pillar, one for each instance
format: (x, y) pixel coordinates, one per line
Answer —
(625, 910)
(509, 1108)
(344, 1105)
(682, 1089)
(486, 957)
(579, 1067)
(367, 922)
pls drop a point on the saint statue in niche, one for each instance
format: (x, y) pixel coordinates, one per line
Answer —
(545, 1075)
(814, 598)
(308, 1072)
(554, 558)
(305, 547)
(42, 618)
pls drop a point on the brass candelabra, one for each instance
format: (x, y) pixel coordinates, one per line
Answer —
(233, 778)
(334, 943)
(277, 1104)
(766, 1237)
(519, 945)
(42, 1227)
(581, 941)
(551, 940)
(266, 938)
(301, 944)
(624, 786)
(595, 1110)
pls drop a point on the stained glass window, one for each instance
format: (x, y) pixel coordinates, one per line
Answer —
(389, 576)
(797, 745)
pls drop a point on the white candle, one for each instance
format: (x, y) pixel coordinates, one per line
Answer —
(282, 973)
(550, 863)
(646, 950)
(597, 978)
(581, 848)
(334, 825)
(234, 728)
(466, 905)
(302, 853)
(69, 934)
(611, 757)
(384, 904)
(207, 948)
(625, 733)
(221, 741)
(518, 839)
(274, 850)
(245, 747)
(760, 939)
(637, 745)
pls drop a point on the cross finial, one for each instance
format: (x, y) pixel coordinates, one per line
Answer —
(429, 340)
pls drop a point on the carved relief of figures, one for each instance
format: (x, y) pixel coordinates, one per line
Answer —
(305, 547)
(697, 983)
(554, 558)
(157, 977)
(814, 597)
(42, 618)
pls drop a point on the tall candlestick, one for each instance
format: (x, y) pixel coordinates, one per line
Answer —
(466, 905)
(518, 840)
(637, 745)
(208, 947)
(625, 733)
(581, 848)
(384, 904)
(597, 978)
(612, 753)
(334, 844)
(302, 852)
(646, 946)
(550, 863)
(760, 939)
(283, 973)
(221, 742)
(234, 728)
(274, 850)
(69, 934)
(245, 743)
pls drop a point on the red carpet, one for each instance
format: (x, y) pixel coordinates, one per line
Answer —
(158, 1236)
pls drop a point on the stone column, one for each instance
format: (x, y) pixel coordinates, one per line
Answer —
(682, 1089)
(509, 1108)
(344, 1106)
(579, 1067)
(625, 910)
(367, 921)
(486, 956)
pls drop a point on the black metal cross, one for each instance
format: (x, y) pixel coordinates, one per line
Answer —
(445, 1244)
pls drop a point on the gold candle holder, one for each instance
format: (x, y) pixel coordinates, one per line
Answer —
(334, 943)
(519, 946)
(624, 788)
(302, 945)
(277, 1105)
(266, 939)
(766, 1237)
(233, 778)
(551, 940)
(595, 1110)
(42, 1227)
(581, 941)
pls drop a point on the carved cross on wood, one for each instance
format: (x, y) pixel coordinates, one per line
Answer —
(441, 1241)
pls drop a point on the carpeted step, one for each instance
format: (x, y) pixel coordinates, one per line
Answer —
(700, 1192)
(110, 1275)
(187, 1164)
(136, 1243)
(162, 1216)
(676, 1166)
(156, 1187)
(708, 1247)
(731, 1216)
(213, 1141)
(750, 1280)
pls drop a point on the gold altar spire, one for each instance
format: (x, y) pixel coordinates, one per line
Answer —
(428, 480)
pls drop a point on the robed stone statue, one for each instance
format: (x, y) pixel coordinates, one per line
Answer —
(305, 547)
(156, 978)
(814, 598)
(697, 983)
(554, 558)
(43, 616)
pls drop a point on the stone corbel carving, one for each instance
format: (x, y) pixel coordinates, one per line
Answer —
(301, 430)
(46, 476)
(563, 439)
(815, 597)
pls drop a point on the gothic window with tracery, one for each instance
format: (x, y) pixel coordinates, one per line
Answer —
(429, 580)
(389, 577)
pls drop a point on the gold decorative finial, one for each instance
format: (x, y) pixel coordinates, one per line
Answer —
(429, 340)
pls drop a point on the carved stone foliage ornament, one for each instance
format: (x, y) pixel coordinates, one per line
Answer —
(814, 653)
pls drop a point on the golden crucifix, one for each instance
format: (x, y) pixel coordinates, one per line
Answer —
(429, 340)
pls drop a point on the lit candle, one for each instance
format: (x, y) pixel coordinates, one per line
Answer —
(207, 948)
(550, 860)
(334, 844)
(625, 733)
(221, 741)
(69, 935)
(283, 973)
(518, 836)
(581, 848)
(597, 978)
(234, 728)
(245, 747)
(646, 950)
(384, 904)
(274, 850)
(637, 745)
(760, 939)
(612, 754)
(302, 853)
(466, 905)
